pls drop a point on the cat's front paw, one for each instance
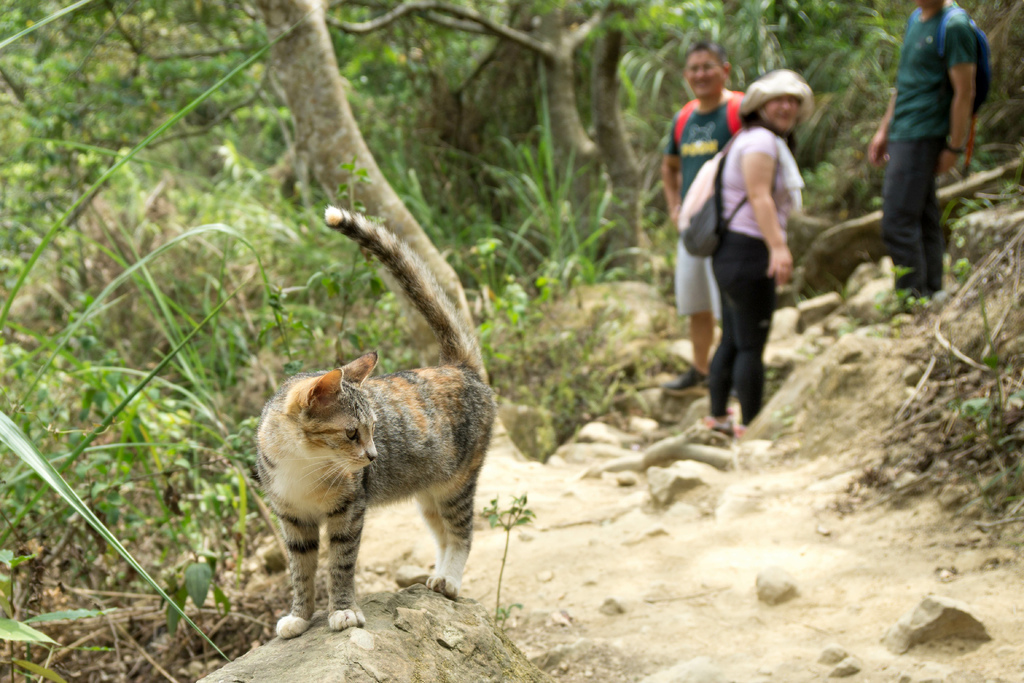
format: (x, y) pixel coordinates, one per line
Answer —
(445, 585)
(344, 618)
(291, 626)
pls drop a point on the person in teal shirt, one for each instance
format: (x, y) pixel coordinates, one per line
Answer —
(924, 130)
(698, 131)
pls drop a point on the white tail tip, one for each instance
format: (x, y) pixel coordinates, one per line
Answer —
(334, 216)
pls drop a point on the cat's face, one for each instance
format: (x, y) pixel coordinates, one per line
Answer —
(325, 422)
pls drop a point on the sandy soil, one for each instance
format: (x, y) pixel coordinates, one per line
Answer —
(686, 576)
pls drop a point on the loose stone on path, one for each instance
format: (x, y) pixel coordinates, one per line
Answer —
(775, 586)
(935, 617)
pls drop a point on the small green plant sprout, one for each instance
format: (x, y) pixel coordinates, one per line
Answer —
(346, 191)
(197, 583)
(962, 270)
(515, 515)
(901, 300)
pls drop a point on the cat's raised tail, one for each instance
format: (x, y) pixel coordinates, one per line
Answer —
(457, 342)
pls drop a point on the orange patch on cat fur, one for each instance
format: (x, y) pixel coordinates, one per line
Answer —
(299, 395)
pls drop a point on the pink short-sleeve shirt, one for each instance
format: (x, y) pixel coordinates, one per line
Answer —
(734, 189)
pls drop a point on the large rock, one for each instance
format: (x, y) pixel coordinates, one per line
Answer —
(817, 309)
(785, 323)
(830, 399)
(530, 428)
(409, 574)
(936, 617)
(801, 231)
(863, 274)
(599, 432)
(412, 635)
(664, 406)
(868, 304)
(666, 483)
(982, 232)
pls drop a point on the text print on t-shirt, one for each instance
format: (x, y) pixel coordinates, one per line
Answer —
(699, 140)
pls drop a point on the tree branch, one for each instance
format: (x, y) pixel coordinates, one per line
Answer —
(209, 52)
(580, 33)
(479, 69)
(136, 48)
(426, 7)
(455, 24)
(16, 89)
(208, 127)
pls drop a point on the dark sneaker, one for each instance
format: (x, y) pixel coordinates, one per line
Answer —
(688, 380)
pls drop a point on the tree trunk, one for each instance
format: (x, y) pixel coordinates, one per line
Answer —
(835, 253)
(327, 136)
(566, 128)
(613, 143)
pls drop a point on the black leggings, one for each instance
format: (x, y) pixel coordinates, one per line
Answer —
(748, 301)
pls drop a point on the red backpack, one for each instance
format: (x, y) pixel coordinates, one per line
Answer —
(733, 100)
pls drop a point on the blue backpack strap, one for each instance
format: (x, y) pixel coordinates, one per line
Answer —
(914, 16)
(946, 16)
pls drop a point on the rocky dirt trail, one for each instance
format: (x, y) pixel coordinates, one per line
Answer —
(636, 573)
(614, 589)
(808, 551)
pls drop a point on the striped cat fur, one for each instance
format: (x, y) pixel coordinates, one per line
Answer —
(332, 444)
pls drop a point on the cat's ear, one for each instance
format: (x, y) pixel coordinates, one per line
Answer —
(359, 369)
(324, 388)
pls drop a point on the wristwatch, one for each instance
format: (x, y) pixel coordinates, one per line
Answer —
(954, 150)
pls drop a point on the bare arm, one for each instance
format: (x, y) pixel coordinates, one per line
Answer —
(878, 147)
(758, 169)
(671, 184)
(960, 111)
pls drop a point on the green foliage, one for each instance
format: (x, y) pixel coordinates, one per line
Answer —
(12, 437)
(535, 361)
(13, 630)
(516, 514)
(162, 263)
(961, 270)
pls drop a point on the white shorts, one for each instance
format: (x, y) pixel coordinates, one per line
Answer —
(696, 289)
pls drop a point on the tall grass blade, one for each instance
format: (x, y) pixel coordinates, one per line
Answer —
(97, 306)
(52, 232)
(39, 24)
(108, 420)
(12, 436)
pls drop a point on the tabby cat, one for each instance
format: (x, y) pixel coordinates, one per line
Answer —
(333, 443)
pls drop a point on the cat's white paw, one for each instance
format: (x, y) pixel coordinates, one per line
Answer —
(445, 585)
(291, 626)
(344, 618)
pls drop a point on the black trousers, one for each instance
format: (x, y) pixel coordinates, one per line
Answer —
(748, 301)
(911, 225)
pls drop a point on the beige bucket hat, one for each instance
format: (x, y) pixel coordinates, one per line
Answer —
(776, 84)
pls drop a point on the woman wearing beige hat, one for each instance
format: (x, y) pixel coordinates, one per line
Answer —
(761, 184)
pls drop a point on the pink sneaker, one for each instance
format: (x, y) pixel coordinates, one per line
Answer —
(728, 428)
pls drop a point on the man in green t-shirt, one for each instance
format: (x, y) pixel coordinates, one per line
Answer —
(924, 130)
(698, 131)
